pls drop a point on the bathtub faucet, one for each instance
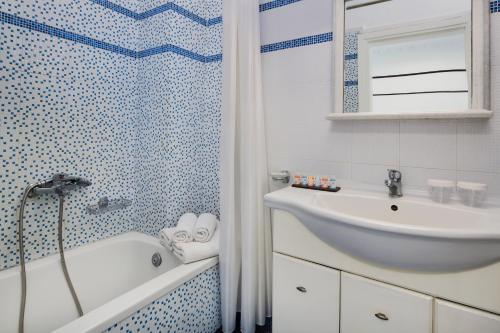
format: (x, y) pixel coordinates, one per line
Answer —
(60, 184)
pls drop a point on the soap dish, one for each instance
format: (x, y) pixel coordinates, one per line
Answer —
(472, 194)
(440, 190)
(105, 205)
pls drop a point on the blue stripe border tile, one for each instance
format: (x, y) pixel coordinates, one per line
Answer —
(77, 38)
(352, 56)
(214, 21)
(180, 51)
(495, 6)
(52, 31)
(117, 8)
(298, 42)
(158, 10)
(276, 4)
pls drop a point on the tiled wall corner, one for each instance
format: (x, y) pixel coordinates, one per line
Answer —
(178, 125)
(82, 96)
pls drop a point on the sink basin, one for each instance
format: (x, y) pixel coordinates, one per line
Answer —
(410, 233)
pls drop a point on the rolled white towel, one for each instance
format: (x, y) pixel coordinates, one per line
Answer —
(195, 251)
(205, 227)
(167, 237)
(184, 231)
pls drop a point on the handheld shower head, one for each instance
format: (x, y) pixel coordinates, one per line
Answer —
(60, 184)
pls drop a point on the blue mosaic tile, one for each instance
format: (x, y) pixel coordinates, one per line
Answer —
(69, 83)
(179, 127)
(194, 307)
(350, 83)
(351, 91)
(80, 95)
(117, 8)
(52, 31)
(64, 107)
(299, 42)
(81, 17)
(276, 4)
(495, 6)
(214, 21)
(56, 32)
(158, 32)
(168, 6)
(351, 97)
(179, 121)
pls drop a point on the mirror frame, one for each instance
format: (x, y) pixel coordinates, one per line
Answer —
(480, 47)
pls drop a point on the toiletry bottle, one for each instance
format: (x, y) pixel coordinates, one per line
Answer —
(324, 181)
(296, 179)
(332, 182)
(311, 181)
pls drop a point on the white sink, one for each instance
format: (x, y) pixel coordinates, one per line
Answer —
(410, 233)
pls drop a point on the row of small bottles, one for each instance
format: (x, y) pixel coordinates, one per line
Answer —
(323, 182)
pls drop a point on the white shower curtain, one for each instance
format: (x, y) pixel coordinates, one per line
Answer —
(245, 258)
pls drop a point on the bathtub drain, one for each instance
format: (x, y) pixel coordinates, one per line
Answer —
(156, 259)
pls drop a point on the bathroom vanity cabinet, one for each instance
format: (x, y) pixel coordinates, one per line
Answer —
(316, 288)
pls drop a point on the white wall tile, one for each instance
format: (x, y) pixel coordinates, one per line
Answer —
(491, 179)
(293, 112)
(376, 142)
(495, 88)
(429, 143)
(308, 166)
(416, 178)
(307, 64)
(478, 148)
(300, 19)
(297, 91)
(285, 121)
(495, 39)
(370, 173)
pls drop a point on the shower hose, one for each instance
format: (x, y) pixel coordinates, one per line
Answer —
(61, 252)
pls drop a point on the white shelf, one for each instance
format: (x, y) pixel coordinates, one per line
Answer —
(463, 114)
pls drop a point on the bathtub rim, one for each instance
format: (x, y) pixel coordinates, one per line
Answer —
(54, 258)
(135, 299)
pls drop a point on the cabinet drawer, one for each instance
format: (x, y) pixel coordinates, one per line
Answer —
(454, 318)
(372, 307)
(305, 296)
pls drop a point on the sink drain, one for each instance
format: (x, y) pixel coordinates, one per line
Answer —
(394, 208)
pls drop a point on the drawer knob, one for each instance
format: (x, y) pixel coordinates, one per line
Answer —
(302, 289)
(381, 316)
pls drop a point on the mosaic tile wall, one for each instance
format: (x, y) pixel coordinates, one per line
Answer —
(179, 119)
(117, 92)
(194, 307)
(64, 107)
(351, 100)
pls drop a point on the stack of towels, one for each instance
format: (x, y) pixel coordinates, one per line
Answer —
(194, 238)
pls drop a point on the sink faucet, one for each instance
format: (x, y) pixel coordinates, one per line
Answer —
(394, 183)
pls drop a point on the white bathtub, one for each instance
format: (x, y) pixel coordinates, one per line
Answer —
(113, 278)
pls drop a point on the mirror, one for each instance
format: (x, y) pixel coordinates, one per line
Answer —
(406, 56)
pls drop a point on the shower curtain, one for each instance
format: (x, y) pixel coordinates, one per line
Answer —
(245, 258)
